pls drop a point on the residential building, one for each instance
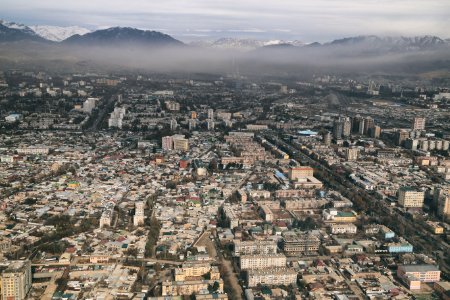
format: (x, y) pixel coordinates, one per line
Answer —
(16, 280)
(418, 123)
(248, 262)
(298, 242)
(254, 247)
(410, 198)
(272, 276)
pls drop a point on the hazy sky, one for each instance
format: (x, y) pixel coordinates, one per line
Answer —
(314, 20)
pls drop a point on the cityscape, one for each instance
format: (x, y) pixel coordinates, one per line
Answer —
(129, 172)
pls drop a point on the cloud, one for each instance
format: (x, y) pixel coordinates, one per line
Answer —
(311, 20)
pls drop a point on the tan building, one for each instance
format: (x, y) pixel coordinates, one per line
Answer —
(300, 172)
(410, 198)
(176, 288)
(180, 143)
(351, 153)
(272, 276)
(250, 262)
(189, 270)
(413, 275)
(16, 280)
(418, 124)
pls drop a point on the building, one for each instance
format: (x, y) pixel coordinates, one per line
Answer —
(334, 215)
(194, 269)
(138, 218)
(210, 124)
(351, 153)
(346, 127)
(401, 136)
(116, 118)
(400, 247)
(298, 242)
(16, 280)
(167, 143)
(414, 275)
(180, 142)
(369, 124)
(338, 128)
(410, 198)
(13, 118)
(254, 247)
(105, 218)
(211, 114)
(89, 105)
(343, 229)
(34, 150)
(442, 200)
(300, 172)
(375, 132)
(175, 288)
(272, 276)
(173, 124)
(189, 279)
(250, 262)
(418, 123)
(172, 105)
(327, 138)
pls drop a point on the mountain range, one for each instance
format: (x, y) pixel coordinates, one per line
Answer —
(131, 48)
(74, 35)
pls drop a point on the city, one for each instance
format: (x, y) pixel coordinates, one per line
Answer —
(238, 150)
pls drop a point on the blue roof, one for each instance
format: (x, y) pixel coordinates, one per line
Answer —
(280, 175)
(307, 132)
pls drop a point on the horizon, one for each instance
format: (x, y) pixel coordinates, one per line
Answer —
(216, 38)
(318, 21)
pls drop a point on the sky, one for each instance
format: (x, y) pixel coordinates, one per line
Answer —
(187, 20)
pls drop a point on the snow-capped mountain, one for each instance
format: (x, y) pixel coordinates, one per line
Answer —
(24, 28)
(242, 44)
(400, 43)
(57, 33)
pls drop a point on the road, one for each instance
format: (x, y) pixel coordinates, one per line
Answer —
(379, 207)
(101, 114)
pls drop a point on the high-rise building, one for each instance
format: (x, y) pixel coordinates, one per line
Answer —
(418, 124)
(347, 127)
(338, 128)
(138, 218)
(210, 124)
(173, 124)
(375, 132)
(167, 143)
(192, 123)
(327, 138)
(442, 201)
(357, 122)
(369, 123)
(401, 136)
(410, 198)
(16, 280)
(211, 114)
